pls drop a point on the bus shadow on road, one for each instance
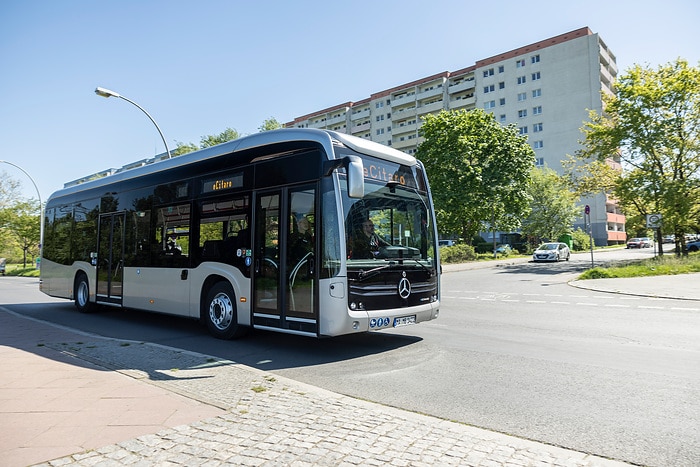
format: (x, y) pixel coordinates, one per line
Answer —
(258, 348)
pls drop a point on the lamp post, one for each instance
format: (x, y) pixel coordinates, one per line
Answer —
(41, 206)
(107, 93)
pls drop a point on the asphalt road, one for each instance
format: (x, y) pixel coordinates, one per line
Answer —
(515, 350)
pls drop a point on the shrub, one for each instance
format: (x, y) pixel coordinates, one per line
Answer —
(582, 241)
(457, 254)
(596, 273)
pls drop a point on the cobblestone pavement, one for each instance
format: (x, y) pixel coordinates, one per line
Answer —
(274, 421)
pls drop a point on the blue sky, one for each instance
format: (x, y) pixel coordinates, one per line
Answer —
(201, 67)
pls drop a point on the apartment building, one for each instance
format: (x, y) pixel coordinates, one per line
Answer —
(546, 89)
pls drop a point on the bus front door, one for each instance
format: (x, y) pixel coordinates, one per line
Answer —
(284, 279)
(110, 258)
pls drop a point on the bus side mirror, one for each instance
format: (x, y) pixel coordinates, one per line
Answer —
(356, 177)
(355, 174)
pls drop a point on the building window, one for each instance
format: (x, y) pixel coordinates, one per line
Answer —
(535, 58)
(502, 118)
(522, 96)
(522, 113)
(536, 76)
(379, 105)
(380, 131)
(537, 127)
(502, 85)
(539, 162)
(536, 93)
(489, 105)
(490, 88)
(537, 110)
(522, 79)
(488, 72)
(538, 144)
(522, 130)
(501, 69)
(502, 101)
(520, 63)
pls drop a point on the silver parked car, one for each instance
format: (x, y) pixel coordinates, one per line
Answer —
(553, 251)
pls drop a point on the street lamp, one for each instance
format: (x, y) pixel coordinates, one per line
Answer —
(107, 93)
(41, 206)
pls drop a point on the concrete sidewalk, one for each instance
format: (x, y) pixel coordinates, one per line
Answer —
(68, 398)
(680, 287)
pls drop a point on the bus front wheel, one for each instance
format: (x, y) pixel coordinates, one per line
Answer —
(81, 294)
(220, 312)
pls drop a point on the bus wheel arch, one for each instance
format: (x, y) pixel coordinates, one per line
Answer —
(219, 310)
(81, 293)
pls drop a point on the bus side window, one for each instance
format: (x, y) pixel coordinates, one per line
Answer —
(173, 235)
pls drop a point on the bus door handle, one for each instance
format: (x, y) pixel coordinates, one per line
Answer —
(183, 274)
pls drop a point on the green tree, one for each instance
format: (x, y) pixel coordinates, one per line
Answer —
(228, 134)
(553, 206)
(23, 223)
(9, 190)
(270, 124)
(184, 148)
(653, 123)
(479, 171)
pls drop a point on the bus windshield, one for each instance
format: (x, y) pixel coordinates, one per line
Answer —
(391, 222)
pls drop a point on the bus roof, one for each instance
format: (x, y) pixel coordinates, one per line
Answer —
(324, 137)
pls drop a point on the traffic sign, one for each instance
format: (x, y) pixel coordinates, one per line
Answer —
(653, 221)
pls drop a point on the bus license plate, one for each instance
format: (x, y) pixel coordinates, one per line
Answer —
(404, 321)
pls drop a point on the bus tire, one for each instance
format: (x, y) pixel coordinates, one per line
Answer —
(81, 294)
(219, 312)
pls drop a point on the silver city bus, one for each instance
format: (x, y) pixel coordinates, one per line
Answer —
(298, 230)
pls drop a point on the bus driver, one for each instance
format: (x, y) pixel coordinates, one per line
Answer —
(366, 243)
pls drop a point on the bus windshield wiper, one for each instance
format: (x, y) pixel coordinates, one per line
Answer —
(362, 275)
(428, 270)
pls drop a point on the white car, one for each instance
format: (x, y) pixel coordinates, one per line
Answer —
(553, 251)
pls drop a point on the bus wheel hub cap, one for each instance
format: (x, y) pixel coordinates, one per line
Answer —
(221, 311)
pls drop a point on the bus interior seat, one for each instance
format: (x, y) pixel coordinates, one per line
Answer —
(211, 249)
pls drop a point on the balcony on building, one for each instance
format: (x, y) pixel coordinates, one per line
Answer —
(430, 107)
(403, 99)
(399, 128)
(360, 113)
(403, 112)
(335, 119)
(398, 143)
(363, 126)
(428, 93)
(460, 101)
(463, 85)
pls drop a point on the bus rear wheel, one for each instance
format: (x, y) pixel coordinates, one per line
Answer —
(220, 312)
(81, 294)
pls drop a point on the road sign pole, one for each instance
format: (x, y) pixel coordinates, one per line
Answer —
(587, 220)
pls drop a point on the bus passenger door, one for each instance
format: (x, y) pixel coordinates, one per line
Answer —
(284, 277)
(266, 256)
(110, 258)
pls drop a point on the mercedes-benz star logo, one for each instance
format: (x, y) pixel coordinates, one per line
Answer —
(404, 288)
